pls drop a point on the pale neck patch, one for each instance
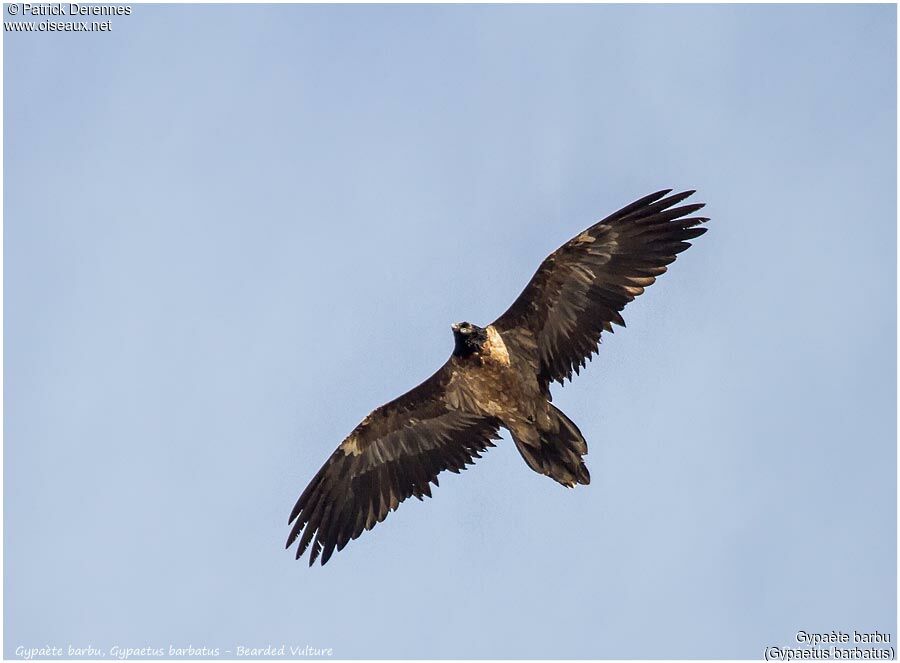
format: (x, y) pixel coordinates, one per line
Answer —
(495, 348)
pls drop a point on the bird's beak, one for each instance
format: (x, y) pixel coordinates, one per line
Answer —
(455, 326)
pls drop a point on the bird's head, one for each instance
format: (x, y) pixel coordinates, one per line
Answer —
(468, 337)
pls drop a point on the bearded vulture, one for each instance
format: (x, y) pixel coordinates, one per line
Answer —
(498, 377)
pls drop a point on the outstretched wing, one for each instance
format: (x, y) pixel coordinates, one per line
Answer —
(580, 289)
(393, 454)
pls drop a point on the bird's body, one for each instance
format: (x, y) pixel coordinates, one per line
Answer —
(498, 377)
(499, 381)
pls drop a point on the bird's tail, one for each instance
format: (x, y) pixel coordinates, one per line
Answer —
(557, 452)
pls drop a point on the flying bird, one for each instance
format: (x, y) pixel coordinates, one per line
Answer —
(497, 377)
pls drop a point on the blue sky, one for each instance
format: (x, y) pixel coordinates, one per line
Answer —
(232, 231)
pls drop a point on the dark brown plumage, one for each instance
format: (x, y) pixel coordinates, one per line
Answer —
(498, 376)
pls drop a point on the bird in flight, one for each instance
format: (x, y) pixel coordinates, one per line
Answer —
(498, 377)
